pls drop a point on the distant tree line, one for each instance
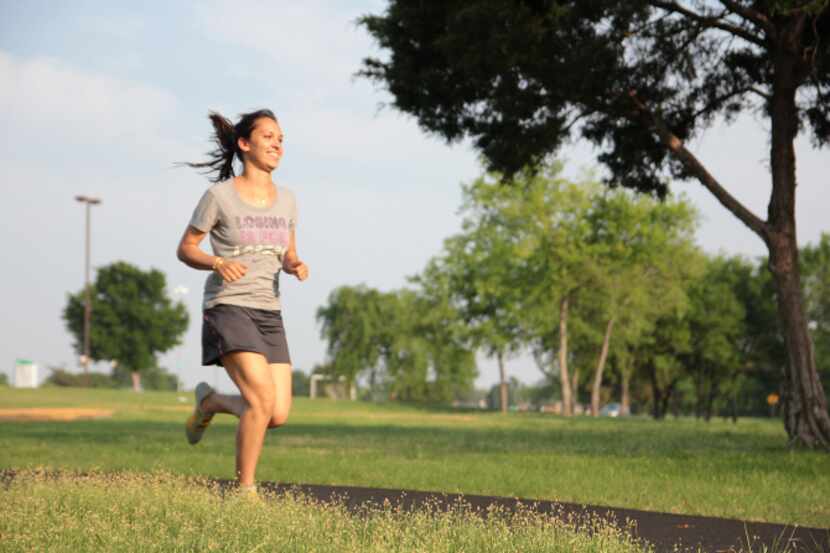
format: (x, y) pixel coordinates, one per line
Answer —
(605, 288)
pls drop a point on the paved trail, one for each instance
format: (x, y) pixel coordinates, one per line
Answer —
(667, 532)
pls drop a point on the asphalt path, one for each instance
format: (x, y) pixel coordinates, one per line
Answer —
(665, 531)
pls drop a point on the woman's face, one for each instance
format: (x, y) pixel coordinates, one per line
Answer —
(264, 148)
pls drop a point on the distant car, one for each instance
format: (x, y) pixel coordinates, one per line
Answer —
(611, 410)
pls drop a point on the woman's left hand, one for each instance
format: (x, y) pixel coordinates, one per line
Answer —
(296, 268)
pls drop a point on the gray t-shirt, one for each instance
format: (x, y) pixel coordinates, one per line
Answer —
(257, 237)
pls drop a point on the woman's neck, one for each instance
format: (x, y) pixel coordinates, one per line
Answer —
(254, 176)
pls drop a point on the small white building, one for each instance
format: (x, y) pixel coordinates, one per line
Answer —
(25, 374)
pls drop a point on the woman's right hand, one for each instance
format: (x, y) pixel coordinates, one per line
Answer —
(230, 270)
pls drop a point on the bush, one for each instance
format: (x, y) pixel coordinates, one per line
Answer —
(152, 378)
(62, 377)
(300, 383)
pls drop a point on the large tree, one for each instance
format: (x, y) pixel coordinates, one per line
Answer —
(638, 79)
(716, 320)
(133, 319)
(646, 254)
(816, 267)
(485, 288)
(405, 343)
(545, 218)
(352, 323)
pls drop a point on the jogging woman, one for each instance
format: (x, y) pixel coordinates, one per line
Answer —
(252, 226)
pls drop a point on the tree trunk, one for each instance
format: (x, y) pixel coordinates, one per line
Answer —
(574, 389)
(656, 402)
(804, 403)
(699, 379)
(657, 396)
(503, 399)
(710, 398)
(662, 397)
(625, 397)
(567, 402)
(603, 355)
(136, 378)
(667, 395)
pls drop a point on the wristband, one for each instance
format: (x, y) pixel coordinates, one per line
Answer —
(217, 263)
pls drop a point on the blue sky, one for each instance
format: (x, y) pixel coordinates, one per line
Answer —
(102, 98)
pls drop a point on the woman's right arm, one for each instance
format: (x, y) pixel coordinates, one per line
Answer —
(192, 255)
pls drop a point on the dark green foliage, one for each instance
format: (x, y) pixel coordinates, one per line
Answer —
(521, 78)
(152, 378)
(351, 324)
(405, 345)
(62, 378)
(716, 322)
(815, 266)
(4, 379)
(133, 319)
(638, 79)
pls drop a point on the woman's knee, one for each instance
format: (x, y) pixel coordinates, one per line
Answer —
(278, 418)
(263, 405)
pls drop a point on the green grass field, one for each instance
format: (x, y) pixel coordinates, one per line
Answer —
(683, 466)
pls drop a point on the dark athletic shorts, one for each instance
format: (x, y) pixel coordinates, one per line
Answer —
(227, 328)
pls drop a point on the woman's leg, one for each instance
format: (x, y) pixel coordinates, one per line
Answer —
(254, 378)
(281, 375)
(231, 404)
(234, 404)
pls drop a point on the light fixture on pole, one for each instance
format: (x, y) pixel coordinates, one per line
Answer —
(89, 201)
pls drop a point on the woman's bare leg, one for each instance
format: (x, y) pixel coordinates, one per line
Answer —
(234, 404)
(281, 375)
(254, 378)
(231, 404)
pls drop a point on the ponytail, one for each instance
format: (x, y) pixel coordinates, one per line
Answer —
(225, 137)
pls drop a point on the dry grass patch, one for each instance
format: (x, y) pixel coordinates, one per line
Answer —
(161, 512)
(60, 414)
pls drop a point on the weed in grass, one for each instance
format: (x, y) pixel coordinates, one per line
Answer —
(785, 542)
(162, 512)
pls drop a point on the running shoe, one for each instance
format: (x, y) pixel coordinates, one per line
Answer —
(198, 421)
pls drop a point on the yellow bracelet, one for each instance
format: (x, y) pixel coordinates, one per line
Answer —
(219, 262)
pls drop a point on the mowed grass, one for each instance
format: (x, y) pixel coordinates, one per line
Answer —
(161, 512)
(740, 471)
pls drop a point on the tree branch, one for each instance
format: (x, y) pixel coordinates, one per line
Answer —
(717, 101)
(679, 151)
(708, 21)
(751, 15)
(576, 119)
(760, 93)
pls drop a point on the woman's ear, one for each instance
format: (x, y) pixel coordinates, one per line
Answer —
(243, 144)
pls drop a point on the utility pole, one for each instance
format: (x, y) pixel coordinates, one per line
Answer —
(179, 293)
(89, 201)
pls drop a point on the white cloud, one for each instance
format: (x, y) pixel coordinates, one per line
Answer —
(309, 38)
(312, 51)
(59, 105)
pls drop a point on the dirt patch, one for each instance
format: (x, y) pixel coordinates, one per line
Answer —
(53, 414)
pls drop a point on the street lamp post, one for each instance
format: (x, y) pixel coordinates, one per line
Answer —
(89, 201)
(179, 293)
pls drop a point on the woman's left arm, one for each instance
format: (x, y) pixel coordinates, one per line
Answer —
(291, 263)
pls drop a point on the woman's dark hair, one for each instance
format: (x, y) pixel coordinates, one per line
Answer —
(225, 136)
